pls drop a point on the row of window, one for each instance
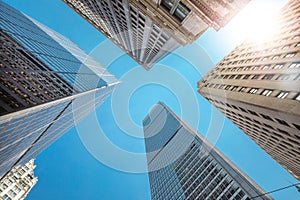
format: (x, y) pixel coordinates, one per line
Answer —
(254, 52)
(276, 120)
(264, 92)
(26, 87)
(165, 185)
(96, 17)
(11, 193)
(293, 65)
(281, 35)
(155, 42)
(7, 182)
(279, 77)
(260, 129)
(266, 137)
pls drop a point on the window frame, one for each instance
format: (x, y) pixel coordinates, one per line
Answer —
(178, 9)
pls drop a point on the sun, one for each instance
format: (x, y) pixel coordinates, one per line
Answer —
(257, 21)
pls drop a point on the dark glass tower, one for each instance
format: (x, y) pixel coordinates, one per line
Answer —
(47, 85)
(183, 165)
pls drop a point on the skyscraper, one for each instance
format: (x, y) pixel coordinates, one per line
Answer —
(47, 85)
(257, 87)
(149, 30)
(183, 165)
(18, 182)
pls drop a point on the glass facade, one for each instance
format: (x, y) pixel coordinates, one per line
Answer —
(48, 84)
(183, 165)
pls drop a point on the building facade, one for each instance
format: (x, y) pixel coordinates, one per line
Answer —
(148, 30)
(182, 164)
(18, 182)
(47, 85)
(257, 87)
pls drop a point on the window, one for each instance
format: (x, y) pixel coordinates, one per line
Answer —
(282, 95)
(266, 67)
(253, 90)
(283, 40)
(176, 8)
(246, 76)
(286, 47)
(222, 86)
(238, 76)
(282, 122)
(7, 181)
(255, 68)
(6, 197)
(257, 122)
(295, 65)
(266, 117)
(297, 126)
(12, 193)
(256, 76)
(4, 186)
(297, 97)
(234, 88)
(17, 189)
(233, 106)
(278, 66)
(268, 76)
(226, 76)
(253, 113)
(290, 55)
(227, 87)
(242, 89)
(267, 92)
(232, 77)
(297, 78)
(283, 77)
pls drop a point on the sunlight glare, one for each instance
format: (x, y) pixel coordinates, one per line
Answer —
(257, 21)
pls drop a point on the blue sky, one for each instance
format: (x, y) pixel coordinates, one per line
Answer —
(70, 169)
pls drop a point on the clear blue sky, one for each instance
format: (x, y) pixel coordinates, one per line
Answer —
(67, 170)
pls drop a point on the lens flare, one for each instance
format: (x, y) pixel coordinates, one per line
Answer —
(257, 21)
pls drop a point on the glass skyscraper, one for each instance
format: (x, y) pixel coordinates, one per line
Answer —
(183, 165)
(48, 84)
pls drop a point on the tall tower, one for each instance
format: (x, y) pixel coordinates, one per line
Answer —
(148, 30)
(18, 182)
(183, 165)
(47, 85)
(257, 87)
